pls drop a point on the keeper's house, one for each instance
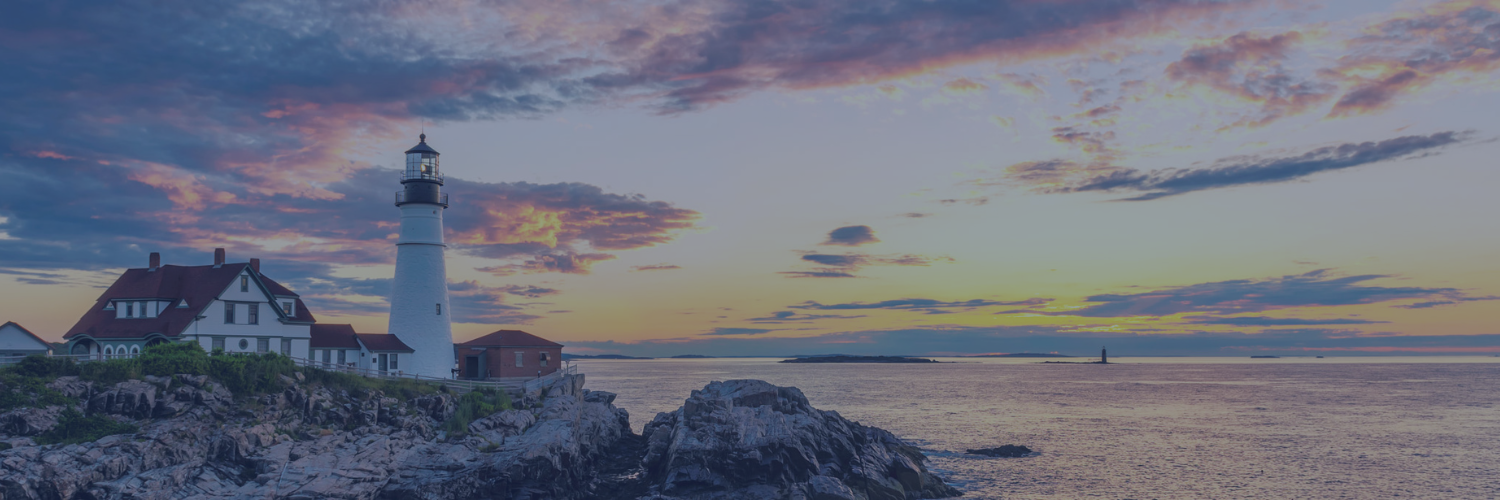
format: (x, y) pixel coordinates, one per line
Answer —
(507, 354)
(17, 341)
(225, 306)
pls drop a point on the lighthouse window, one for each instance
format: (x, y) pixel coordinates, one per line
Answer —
(440, 309)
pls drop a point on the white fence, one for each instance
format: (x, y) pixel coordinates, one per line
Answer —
(457, 385)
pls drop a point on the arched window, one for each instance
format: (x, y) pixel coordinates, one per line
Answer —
(135, 350)
(109, 351)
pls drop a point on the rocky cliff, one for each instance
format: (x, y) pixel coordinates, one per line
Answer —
(193, 439)
(747, 439)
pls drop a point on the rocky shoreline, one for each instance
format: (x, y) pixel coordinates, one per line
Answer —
(739, 439)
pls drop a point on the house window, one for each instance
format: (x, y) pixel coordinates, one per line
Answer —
(543, 358)
(326, 354)
(287, 307)
(244, 345)
(343, 357)
(394, 364)
(520, 359)
(254, 316)
(286, 347)
(218, 344)
(244, 283)
(143, 309)
(229, 313)
(130, 309)
(135, 350)
(440, 309)
(262, 345)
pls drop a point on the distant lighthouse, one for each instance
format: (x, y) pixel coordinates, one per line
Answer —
(419, 293)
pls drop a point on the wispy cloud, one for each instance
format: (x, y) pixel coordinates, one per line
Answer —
(655, 267)
(1312, 289)
(738, 331)
(1059, 176)
(1265, 321)
(929, 306)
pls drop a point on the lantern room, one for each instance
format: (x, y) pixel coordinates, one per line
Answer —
(422, 163)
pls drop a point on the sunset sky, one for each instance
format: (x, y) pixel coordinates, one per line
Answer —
(755, 177)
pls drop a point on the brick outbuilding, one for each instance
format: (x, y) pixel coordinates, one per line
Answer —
(507, 354)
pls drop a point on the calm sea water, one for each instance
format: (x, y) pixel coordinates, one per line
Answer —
(1410, 427)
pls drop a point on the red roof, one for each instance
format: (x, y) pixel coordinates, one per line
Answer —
(382, 342)
(28, 332)
(510, 338)
(333, 336)
(198, 285)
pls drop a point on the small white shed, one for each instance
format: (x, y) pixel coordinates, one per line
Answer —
(16, 340)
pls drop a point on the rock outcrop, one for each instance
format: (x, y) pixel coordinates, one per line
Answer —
(747, 439)
(312, 442)
(732, 440)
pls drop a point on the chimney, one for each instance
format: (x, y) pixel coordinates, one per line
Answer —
(155, 261)
(218, 257)
(255, 264)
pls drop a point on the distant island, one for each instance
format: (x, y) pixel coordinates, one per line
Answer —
(858, 359)
(692, 356)
(599, 356)
(1021, 355)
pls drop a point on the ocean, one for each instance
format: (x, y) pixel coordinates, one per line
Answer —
(1148, 428)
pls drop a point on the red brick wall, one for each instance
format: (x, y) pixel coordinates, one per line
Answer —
(501, 361)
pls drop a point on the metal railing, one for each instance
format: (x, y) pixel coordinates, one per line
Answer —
(442, 198)
(460, 386)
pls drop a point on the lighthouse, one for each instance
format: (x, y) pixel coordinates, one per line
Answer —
(419, 292)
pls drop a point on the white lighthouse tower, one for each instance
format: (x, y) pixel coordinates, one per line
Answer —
(419, 293)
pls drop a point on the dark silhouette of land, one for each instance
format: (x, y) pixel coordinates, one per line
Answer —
(858, 359)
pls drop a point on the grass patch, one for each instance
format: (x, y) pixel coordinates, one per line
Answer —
(74, 427)
(473, 406)
(403, 389)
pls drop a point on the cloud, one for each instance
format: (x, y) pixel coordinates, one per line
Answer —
(1411, 52)
(851, 260)
(928, 306)
(1312, 289)
(1252, 68)
(1059, 176)
(1448, 301)
(655, 267)
(1265, 321)
(824, 273)
(789, 316)
(842, 266)
(738, 331)
(851, 236)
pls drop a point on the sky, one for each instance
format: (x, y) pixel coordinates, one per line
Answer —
(762, 177)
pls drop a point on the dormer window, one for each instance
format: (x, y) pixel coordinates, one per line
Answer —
(287, 307)
(130, 309)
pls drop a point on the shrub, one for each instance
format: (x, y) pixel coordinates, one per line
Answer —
(171, 358)
(73, 427)
(39, 366)
(245, 374)
(110, 372)
(24, 384)
(404, 389)
(473, 406)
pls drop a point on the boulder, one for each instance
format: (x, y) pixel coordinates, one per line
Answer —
(745, 439)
